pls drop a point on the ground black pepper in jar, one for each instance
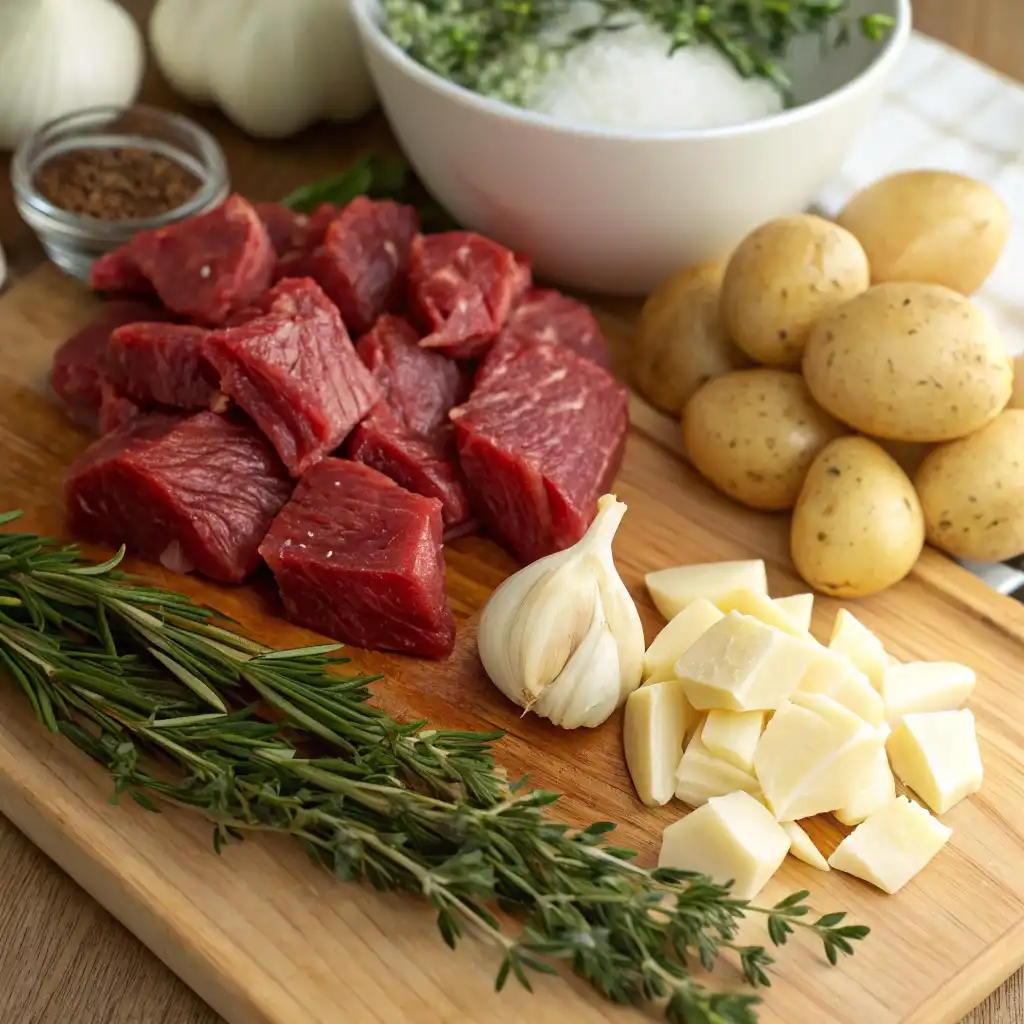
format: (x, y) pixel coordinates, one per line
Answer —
(115, 183)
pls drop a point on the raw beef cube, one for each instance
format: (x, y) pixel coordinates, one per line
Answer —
(545, 315)
(283, 225)
(463, 286)
(364, 258)
(423, 465)
(115, 409)
(297, 297)
(196, 493)
(538, 445)
(161, 364)
(358, 558)
(298, 376)
(297, 259)
(79, 365)
(117, 273)
(419, 385)
(206, 267)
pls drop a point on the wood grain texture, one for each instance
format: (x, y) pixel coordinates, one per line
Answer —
(63, 958)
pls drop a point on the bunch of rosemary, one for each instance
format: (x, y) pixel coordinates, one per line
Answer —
(163, 694)
(503, 48)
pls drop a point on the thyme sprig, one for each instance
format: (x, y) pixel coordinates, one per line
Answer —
(176, 706)
(503, 48)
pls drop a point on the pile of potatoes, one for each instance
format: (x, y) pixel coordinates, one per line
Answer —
(840, 370)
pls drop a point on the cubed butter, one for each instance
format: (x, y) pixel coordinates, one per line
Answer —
(936, 754)
(892, 845)
(731, 838)
(740, 664)
(852, 638)
(920, 686)
(654, 728)
(813, 755)
(799, 608)
(678, 636)
(701, 776)
(760, 606)
(802, 848)
(733, 736)
(876, 789)
(834, 675)
(673, 589)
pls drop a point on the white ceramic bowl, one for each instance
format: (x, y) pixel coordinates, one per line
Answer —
(617, 212)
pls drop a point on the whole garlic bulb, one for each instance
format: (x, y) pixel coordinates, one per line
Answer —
(272, 66)
(57, 56)
(562, 637)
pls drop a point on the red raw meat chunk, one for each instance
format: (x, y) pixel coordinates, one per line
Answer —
(117, 273)
(197, 493)
(364, 257)
(419, 385)
(538, 445)
(79, 365)
(115, 409)
(283, 225)
(421, 464)
(358, 558)
(296, 374)
(297, 259)
(161, 364)
(463, 286)
(205, 267)
(545, 315)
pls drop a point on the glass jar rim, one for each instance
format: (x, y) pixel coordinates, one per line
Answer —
(209, 160)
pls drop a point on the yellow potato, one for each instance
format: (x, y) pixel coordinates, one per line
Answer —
(972, 492)
(936, 227)
(909, 362)
(753, 433)
(782, 278)
(857, 526)
(1017, 396)
(680, 343)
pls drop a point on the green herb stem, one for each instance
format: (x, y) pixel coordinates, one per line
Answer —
(164, 694)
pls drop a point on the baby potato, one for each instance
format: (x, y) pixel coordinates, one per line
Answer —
(680, 343)
(936, 227)
(909, 362)
(1017, 395)
(784, 276)
(753, 433)
(857, 527)
(972, 492)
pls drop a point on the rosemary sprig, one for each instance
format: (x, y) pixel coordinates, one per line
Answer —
(173, 703)
(502, 48)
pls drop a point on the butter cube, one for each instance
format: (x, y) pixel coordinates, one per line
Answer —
(802, 848)
(673, 589)
(678, 637)
(860, 645)
(731, 839)
(835, 676)
(892, 845)
(760, 606)
(799, 608)
(733, 736)
(654, 728)
(936, 754)
(876, 789)
(920, 686)
(813, 755)
(702, 776)
(740, 664)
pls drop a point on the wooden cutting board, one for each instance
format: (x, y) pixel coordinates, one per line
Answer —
(266, 938)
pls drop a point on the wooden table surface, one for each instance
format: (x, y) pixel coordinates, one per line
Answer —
(63, 959)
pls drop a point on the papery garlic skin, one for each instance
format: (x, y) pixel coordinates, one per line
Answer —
(57, 56)
(562, 637)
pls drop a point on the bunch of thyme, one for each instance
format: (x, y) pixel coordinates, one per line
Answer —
(503, 48)
(174, 703)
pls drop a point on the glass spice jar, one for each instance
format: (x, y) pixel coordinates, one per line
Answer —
(158, 168)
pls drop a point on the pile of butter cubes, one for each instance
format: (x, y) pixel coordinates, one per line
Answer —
(747, 718)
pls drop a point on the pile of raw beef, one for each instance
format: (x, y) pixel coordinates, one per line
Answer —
(240, 423)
